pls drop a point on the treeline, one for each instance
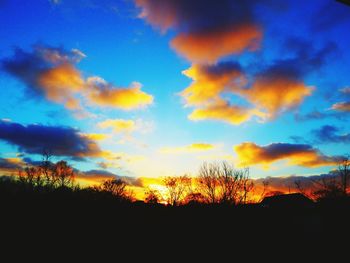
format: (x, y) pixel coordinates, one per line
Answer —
(215, 183)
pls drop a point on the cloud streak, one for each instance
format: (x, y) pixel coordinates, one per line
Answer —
(192, 148)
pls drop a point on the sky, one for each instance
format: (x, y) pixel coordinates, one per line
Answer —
(151, 88)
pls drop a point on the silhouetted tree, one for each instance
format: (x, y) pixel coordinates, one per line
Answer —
(31, 176)
(117, 187)
(194, 198)
(344, 173)
(152, 196)
(47, 168)
(222, 183)
(63, 174)
(208, 180)
(176, 188)
(265, 184)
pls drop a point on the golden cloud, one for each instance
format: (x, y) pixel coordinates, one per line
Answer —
(118, 125)
(223, 111)
(96, 136)
(296, 154)
(105, 95)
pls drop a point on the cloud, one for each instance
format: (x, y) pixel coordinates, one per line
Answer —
(206, 91)
(345, 90)
(95, 176)
(274, 94)
(211, 46)
(58, 140)
(106, 95)
(118, 125)
(192, 148)
(205, 30)
(96, 136)
(52, 73)
(288, 184)
(209, 81)
(328, 134)
(341, 106)
(10, 165)
(48, 71)
(318, 115)
(223, 111)
(296, 154)
(226, 91)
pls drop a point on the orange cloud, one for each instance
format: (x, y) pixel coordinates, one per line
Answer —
(194, 147)
(270, 94)
(341, 106)
(209, 81)
(201, 34)
(60, 83)
(296, 154)
(205, 93)
(210, 46)
(276, 94)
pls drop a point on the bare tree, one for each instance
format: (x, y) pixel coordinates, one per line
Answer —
(116, 187)
(46, 168)
(344, 173)
(31, 176)
(152, 196)
(265, 184)
(176, 188)
(208, 180)
(222, 183)
(63, 174)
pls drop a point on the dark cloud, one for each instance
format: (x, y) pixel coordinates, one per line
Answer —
(9, 164)
(330, 134)
(59, 141)
(220, 69)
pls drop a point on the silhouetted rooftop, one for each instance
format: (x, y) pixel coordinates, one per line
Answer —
(295, 199)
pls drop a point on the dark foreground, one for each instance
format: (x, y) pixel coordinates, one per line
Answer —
(64, 222)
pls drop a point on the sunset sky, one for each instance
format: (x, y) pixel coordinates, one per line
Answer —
(150, 88)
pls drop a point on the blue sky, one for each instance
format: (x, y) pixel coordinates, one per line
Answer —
(295, 54)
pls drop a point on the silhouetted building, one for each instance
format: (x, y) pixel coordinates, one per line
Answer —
(287, 200)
